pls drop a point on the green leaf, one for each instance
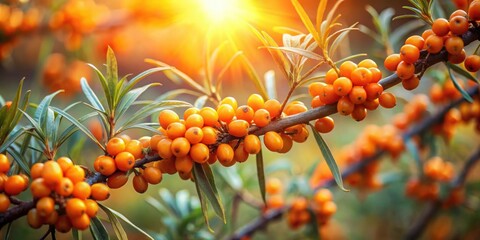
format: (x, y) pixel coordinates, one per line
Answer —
(79, 126)
(327, 155)
(41, 114)
(112, 74)
(145, 126)
(134, 81)
(36, 126)
(77, 235)
(12, 137)
(130, 98)
(125, 219)
(98, 230)
(204, 177)
(458, 87)
(169, 200)
(462, 72)
(261, 174)
(299, 51)
(203, 204)
(20, 160)
(104, 83)
(117, 226)
(90, 95)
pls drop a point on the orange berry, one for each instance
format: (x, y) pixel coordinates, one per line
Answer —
(342, 86)
(140, 184)
(124, 161)
(440, 27)
(367, 63)
(358, 95)
(427, 33)
(33, 218)
(273, 107)
(361, 76)
(301, 136)
(45, 206)
(106, 165)
(224, 153)
(411, 83)
(371, 104)
(295, 108)
(194, 135)
(199, 153)
(194, 120)
(315, 88)
(81, 222)
(91, 207)
(387, 100)
(324, 125)
(238, 128)
(36, 170)
(180, 147)
(75, 207)
(273, 141)
(153, 175)
(331, 76)
(287, 143)
(434, 44)
(100, 191)
(210, 116)
(164, 148)
(345, 106)
(328, 209)
(244, 112)
(126, 138)
(65, 163)
(75, 173)
(230, 101)
(459, 25)
(239, 153)
(376, 75)
(409, 53)
(316, 102)
(322, 196)
(405, 70)
(225, 113)
(184, 164)
(115, 146)
(176, 129)
(135, 148)
(472, 63)
(65, 187)
(4, 202)
(273, 186)
(52, 173)
(4, 164)
(252, 144)
(359, 112)
(14, 185)
(190, 111)
(454, 45)
(154, 141)
(458, 58)
(209, 135)
(82, 190)
(275, 201)
(474, 10)
(261, 118)
(416, 41)
(346, 68)
(255, 101)
(39, 189)
(392, 61)
(63, 224)
(116, 180)
(373, 91)
(166, 117)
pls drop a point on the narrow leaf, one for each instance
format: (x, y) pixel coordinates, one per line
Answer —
(130, 98)
(117, 226)
(327, 155)
(112, 73)
(20, 160)
(90, 95)
(261, 174)
(458, 87)
(307, 22)
(104, 83)
(203, 205)
(141, 76)
(204, 177)
(462, 72)
(125, 219)
(98, 230)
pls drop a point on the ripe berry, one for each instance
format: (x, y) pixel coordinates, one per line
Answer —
(117, 180)
(361, 76)
(224, 153)
(342, 86)
(416, 41)
(239, 153)
(139, 183)
(210, 116)
(405, 70)
(194, 120)
(153, 175)
(91, 207)
(199, 153)
(124, 161)
(373, 91)
(230, 101)
(324, 125)
(176, 130)
(36, 170)
(273, 186)
(252, 144)
(454, 45)
(115, 146)
(458, 25)
(315, 88)
(472, 63)
(4, 163)
(434, 44)
(194, 135)
(411, 83)
(359, 112)
(34, 220)
(81, 222)
(273, 141)
(345, 106)
(164, 148)
(180, 147)
(4, 202)
(273, 107)
(14, 185)
(244, 112)
(184, 164)
(65, 187)
(167, 117)
(52, 173)
(261, 118)
(82, 190)
(135, 148)
(74, 208)
(238, 128)
(287, 143)
(63, 224)
(358, 95)
(387, 100)
(331, 76)
(65, 163)
(440, 27)
(392, 61)
(190, 111)
(255, 101)
(75, 173)
(367, 63)
(209, 135)
(409, 53)
(106, 165)
(346, 68)
(39, 189)
(225, 113)
(100, 191)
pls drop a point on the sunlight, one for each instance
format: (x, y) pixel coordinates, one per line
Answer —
(219, 10)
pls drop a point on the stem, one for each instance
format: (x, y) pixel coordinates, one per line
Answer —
(290, 92)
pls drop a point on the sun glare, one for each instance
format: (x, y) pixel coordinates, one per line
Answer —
(218, 11)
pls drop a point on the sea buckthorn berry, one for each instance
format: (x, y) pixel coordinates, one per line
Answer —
(65, 187)
(411, 83)
(209, 135)
(472, 63)
(45, 206)
(74, 208)
(4, 202)
(458, 58)
(367, 63)
(440, 27)
(51, 219)
(65, 163)
(331, 76)
(474, 10)
(275, 201)
(244, 112)
(39, 189)
(194, 135)
(322, 196)
(346, 68)
(392, 61)
(100, 191)
(427, 33)
(387, 100)
(373, 91)
(405, 70)
(225, 113)
(416, 40)
(315, 88)
(190, 111)
(409, 53)
(287, 143)
(359, 112)
(454, 45)
(52, 173)
(328, 209)
(324, 125)
(81, 222)
(230, 101)
(135, 147)
(238, 128)
(342, 86)
(124, 161)
(328, 95)
(82, 190)
(116, 180)
(180, 147)
(166, 117)
(273, 186)
(194, 120)
(361, 76)
(459, 12)
(106, 165)
(36, 170)
(252, 144)
(358, 95)
(14, 185)
(184, 164)
(300, 136)
(345, 106)
(164, 148)
(34, 220)
(273, 141)
(458, 25)
(154, 141)
(115, 146)
(140, 184)
(176, 129)
(261, 118)
(63, 224)
(316, 102)
(295, 108)
(376, 75)
(210, 116)
(199, 152)
(255, 101)
(299, 204)
(224, 153)
(273, 106)
(434, 44)
(153, 175)
(91, 207)
(4, 163)
(239, 153)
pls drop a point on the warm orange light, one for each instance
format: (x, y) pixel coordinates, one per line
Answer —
(219, 10)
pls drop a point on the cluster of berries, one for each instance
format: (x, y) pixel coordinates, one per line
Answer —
(58, 74)
(354, 88)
